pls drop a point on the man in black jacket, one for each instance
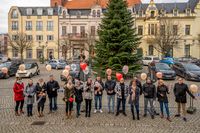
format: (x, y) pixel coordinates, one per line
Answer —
(180, 90)
(52, 87)
(149, 91)
(110, 89)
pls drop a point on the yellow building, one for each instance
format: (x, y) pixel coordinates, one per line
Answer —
(184, 19)
(39, 24)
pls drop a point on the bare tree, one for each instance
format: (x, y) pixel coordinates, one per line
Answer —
(65, 43)
(20, 42)
(167, 36)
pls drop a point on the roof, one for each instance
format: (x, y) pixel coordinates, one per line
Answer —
(169, 7)
(88, 4)
(23, 11)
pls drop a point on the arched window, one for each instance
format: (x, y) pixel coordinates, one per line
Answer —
(175, 12)
(152, 14)
(94, 13)
(98, 13)
(14, 14)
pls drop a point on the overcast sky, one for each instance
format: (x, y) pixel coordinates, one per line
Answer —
(6, 4)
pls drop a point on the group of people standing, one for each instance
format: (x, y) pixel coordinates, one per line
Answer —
(78, 91)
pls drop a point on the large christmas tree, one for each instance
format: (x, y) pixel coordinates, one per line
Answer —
(118, 42)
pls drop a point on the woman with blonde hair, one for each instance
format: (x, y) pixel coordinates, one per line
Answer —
(162, 91)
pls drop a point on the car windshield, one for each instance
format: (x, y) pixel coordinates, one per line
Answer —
(28, 66)
(6, 64)
(61, 61)
(162, 66)
(155, 58)
(192, 67)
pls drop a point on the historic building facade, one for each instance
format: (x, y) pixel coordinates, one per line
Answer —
(3, 43)
(184, 19)
(39, 24)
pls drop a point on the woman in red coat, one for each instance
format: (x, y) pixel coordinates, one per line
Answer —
(18, 89)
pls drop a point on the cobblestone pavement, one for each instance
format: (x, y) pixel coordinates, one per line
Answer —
(98, 123)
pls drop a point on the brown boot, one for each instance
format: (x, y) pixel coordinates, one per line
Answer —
(39, 114)
(42, 114)
(168, 118)
(16, 113)
(161, 116)
(21, 112)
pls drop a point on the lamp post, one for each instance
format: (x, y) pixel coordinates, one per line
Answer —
(43, 47)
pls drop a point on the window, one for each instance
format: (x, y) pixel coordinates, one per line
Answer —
(29, 53)
(29, 37)
(187, 50)
(50, 11)
(152, 14)
(39, 25)
(50, 25)
(93, 30)
(39, 53)
(14, 14)
(39, 37)
(152, 29)
(39, 11)
(14, 37)
(29, 11)
(15, 52)
(94, 13)
(74, 29)
(82, 29)
(162, 12)
(140, 30)
(140, 13)
(150, 50)
(187, 30)
(64, 14)
(175, 30)
(78, 14)
(49, 37)
(14, 25)
(188, 12)
(28, 25)
(98, 13)
(175, 12)
(162, 30)
(64, 30)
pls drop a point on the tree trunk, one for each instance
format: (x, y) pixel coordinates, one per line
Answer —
(21, 55)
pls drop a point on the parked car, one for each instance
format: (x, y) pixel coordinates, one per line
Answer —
(185, 59)
(196, 62)
(57, 64)
(12, 69)
(167, 60)
(189, 71)
(74, 72)
(148, 59)
(31, 69)
(168, 72)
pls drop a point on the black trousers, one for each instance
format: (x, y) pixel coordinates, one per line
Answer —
(88, 105)
(69, 106)
(19, 104)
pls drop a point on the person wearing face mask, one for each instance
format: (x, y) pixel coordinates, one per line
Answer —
(88, 96)
(18, 89)
(149, 91)
(110, 89)
(78, 92)
(41, 96)
(52, 88)
(180, 92)
(29, 93)
(122, 92)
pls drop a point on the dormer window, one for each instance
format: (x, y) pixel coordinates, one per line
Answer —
(140, 13)
(162, 12)
(29, 11)
(188, 11)
(64, 14)
(50, 11)
(14, 14)
(175, 12)
(39, 11)
(152, 14)
(78, 14)
(94, 13)
(98, 13)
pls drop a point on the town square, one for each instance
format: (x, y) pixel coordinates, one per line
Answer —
(94, 66)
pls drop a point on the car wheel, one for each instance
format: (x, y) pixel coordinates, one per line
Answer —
(31, 75)
(186, 77)
(38, 72)
(56, 67)
(7, 76)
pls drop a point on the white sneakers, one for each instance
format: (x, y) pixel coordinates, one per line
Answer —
(95, 111)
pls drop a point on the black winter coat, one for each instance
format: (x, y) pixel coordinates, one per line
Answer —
(52, 87)
(110, 87)
(78, 92)
(180, 93)
(149, 90)
(162, 90)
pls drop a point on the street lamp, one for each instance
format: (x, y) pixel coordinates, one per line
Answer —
(43, 46)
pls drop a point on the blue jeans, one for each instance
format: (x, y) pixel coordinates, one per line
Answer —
(123, 101)
(151, 109)
(53, 103)
(78, 108)
(111, 98)
(98, 99)
(29, 109)
(166, 108)
(136, 106)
